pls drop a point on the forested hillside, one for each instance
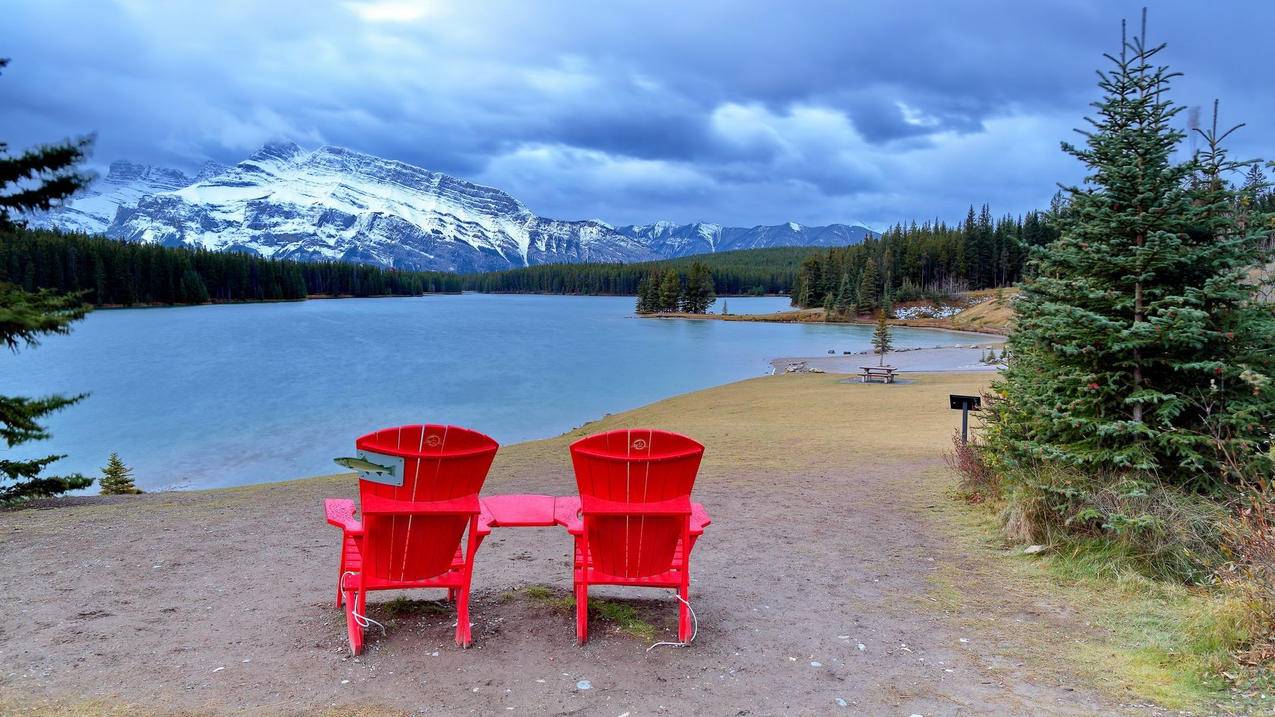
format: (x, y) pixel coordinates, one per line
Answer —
(749, 271)
(908, 262)
(113, 273)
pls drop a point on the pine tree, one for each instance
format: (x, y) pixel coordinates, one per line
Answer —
(1137, 345)
(842, 302)
(117, 478)
(809, 282)
(644, 296)
(869, 286)
(24, 317)
(700, 292)
(881, 340)
(670, 291)
(35, 180)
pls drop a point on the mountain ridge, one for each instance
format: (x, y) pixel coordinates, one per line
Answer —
(333, 203)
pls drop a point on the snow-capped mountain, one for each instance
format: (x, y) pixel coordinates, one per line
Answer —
(670, 240)
(124, 185)
(334, 203)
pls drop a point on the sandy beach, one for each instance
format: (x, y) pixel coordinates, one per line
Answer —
(928, 360)
(965, 355)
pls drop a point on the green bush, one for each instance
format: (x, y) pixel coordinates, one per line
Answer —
(1162, 531)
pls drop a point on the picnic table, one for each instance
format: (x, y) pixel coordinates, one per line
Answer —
(870, 373)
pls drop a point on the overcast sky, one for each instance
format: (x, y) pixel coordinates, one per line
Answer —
(739, 112)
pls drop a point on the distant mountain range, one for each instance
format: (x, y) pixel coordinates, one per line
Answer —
(334, 203)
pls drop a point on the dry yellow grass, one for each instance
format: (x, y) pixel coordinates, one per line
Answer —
(787, 421)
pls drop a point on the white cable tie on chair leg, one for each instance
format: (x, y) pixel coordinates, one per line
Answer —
(694, 628)
(362, 621)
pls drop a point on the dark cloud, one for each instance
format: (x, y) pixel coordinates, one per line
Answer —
(741, 112)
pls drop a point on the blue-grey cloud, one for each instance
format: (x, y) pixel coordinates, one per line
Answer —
(743, 113)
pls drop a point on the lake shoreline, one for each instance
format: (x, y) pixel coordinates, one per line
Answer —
(940, 359)
(788, 317)
(815, 316)
(250, 302)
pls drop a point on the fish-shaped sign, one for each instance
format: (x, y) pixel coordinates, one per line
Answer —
(375, 467)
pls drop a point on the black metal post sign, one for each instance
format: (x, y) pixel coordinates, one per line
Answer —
(965, 404)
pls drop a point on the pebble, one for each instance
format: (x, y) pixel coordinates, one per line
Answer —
(584, 685)
(1033, 549)
(816, 664)
(841, 702)
(862, 647)
(963, 640)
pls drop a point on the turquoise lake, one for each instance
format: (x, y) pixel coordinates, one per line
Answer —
(211, 396)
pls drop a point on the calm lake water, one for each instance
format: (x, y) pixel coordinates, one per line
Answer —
(223, 395)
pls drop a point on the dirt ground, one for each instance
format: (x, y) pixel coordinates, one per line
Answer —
(822, 587)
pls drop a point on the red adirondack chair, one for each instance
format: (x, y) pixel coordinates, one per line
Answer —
(634, 523)
(421, 524)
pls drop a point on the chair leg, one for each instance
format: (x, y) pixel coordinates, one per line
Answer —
(451, 594)
(340, 575)
(463, 636)
(354, 601)
(582, 612)
(684, 613)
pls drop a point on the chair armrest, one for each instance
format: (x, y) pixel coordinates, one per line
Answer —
(340, 513)
(485, 521)
(699, 519)
(566, 512)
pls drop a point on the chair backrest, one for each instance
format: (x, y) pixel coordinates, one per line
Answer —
(439, 463)
(635, 497)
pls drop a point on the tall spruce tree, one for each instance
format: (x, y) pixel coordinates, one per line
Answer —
(24, 317)
(670, 291)
(844, 295)
(644, 304)
(700, 292)
(869, 289)
(1137, 346)
(35, 180)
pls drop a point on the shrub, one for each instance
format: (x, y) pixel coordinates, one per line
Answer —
(978, 481)
(1250, 571)
(1161, 530)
